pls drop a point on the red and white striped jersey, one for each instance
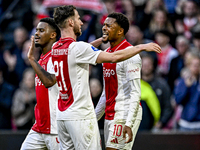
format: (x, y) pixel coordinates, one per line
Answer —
(71, 61)
(121, 95)
(45, 109)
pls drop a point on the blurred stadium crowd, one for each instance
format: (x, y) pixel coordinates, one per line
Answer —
(169, 81)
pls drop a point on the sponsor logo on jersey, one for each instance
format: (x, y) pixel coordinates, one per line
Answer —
(37, 81)
(133, 70)
(63, 96)
(94, 48)
(108, 72)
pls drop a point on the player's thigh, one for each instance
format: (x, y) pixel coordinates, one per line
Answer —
(51, 141)
(128, 146)
(34, 141)
(64, 136)
(85, 134)
(107, 124)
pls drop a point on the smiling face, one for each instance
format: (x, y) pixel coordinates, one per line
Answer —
(43, 34)
(110, 30)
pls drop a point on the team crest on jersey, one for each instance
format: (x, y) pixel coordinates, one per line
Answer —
(94, 48)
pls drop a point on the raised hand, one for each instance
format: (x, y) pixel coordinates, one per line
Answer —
(11, 60)
(152, 47)
(30, 54)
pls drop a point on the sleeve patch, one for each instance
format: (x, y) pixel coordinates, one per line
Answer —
(94, 48)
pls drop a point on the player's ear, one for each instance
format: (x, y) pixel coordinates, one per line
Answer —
(53, 35)
(71, 22)
(121, 31)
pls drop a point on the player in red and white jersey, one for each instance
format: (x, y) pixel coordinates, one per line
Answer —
(120, 99)
(77, 124)
(43, 134)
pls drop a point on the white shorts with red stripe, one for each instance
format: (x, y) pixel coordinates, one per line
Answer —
(35, 141)
(113, 134)
(79, 134)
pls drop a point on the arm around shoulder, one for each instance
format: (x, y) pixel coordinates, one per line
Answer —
(121, 55)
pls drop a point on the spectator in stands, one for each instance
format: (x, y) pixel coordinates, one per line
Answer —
(25, 49)
(170, 6)
(6, 94)
(135, 36)
(24, 101)
(2, 44)
(187, 94)
(182, 46)
(185, 22)
(134, 17)
(159, 21)
(153, 5)
(162, 37)
(190, 11)
(88, 28)
(196, 41)
(150, 107)
(13, 57)
(96, 72)
(161, 89)
(96, 90)
(149, 8)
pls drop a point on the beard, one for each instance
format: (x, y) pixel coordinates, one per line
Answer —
(38, 45)
(77, 31)
(106, 41)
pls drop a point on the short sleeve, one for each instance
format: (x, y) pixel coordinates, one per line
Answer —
(50, 67)
(86, 53)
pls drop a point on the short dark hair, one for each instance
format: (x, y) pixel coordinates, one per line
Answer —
(61, 13)
(53, 25)
(121, 20)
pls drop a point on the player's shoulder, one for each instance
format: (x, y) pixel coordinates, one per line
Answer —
(135, 59)
(54, 44)
(84, 46)
(80, 43)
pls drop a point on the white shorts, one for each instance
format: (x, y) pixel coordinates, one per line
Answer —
(79, 134)
(113, 134)
(39, 141)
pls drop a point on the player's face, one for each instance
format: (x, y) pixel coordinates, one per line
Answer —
(42, 34)
(110, 30)
(77, 24)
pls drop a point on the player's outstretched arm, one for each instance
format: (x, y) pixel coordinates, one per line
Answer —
(96, 42)
(127, 53)
(46, 78)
